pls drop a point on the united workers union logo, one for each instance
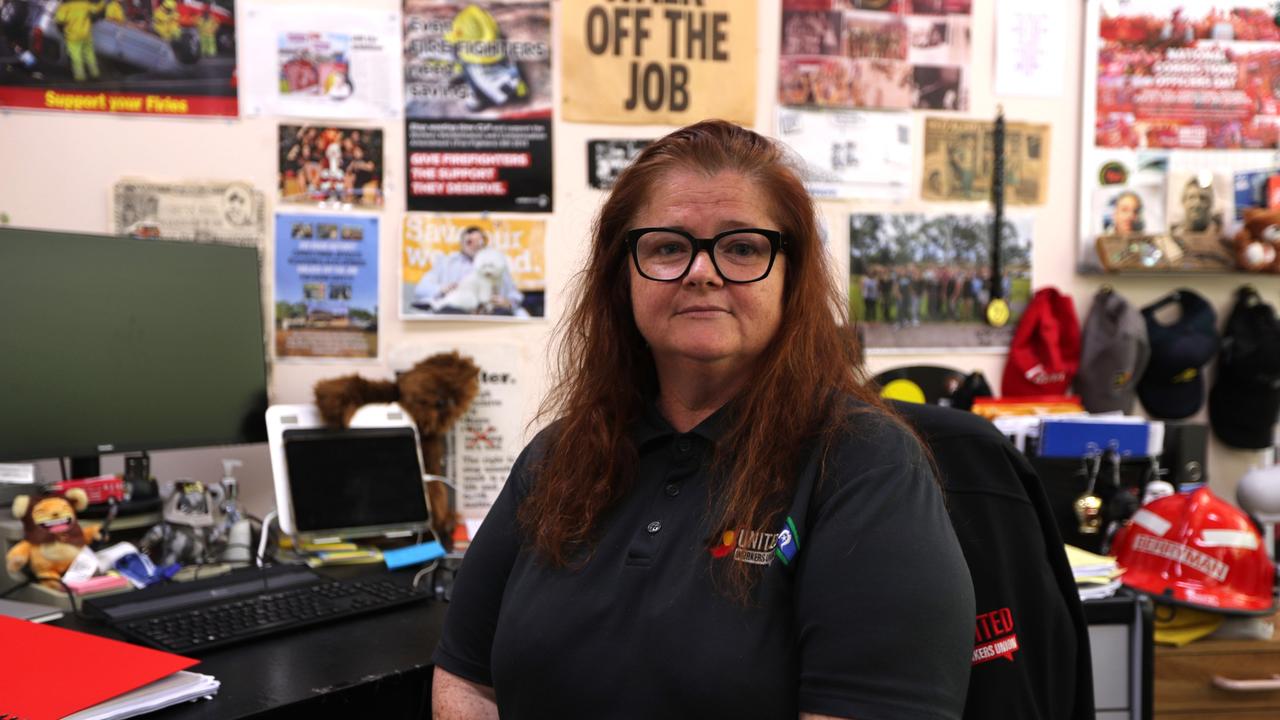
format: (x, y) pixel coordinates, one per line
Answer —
(757, 547)
(993, 636)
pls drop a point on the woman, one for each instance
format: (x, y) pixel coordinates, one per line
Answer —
(723, 521)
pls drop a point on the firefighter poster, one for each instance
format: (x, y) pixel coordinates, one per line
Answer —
(315, 61)
(115, 56)
(472, 268)
(646, 63)
(1166, 90)
(901, 54)
(477, 86)
(326, 286)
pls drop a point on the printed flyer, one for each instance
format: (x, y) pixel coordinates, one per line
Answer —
(472, 268)
(113, 56)
(326, 285)
(324, 62)
(477, 82)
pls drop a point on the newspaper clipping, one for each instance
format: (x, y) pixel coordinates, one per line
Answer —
(958, 157)
(215, 211)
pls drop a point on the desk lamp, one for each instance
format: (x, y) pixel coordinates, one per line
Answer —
(1259, 495)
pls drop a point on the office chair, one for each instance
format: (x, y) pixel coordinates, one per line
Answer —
(1031, 649)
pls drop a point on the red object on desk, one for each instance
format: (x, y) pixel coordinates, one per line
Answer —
(93, 669)
(99, 489)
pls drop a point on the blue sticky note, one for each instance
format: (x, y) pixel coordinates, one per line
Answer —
(412, 555)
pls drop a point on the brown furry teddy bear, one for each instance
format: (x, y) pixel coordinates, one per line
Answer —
(435, 392)
(1258, 242)
(51, 535)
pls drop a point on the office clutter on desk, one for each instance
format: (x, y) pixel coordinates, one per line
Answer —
(179, 687)
(35, 653)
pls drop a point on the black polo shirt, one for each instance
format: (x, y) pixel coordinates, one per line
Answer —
(864, 607)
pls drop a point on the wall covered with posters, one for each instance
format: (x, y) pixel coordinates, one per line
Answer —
(479, 144)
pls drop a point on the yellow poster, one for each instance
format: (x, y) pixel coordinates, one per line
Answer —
(469, 267)
(652, 63)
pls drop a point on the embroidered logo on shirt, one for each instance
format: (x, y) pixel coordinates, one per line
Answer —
(994, 637)
(788, 543)
(748, 546)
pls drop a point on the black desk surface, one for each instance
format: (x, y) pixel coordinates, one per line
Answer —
(376, 665)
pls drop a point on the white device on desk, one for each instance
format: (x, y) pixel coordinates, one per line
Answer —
(361, 481)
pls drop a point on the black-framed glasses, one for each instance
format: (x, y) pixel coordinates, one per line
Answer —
(742, 255)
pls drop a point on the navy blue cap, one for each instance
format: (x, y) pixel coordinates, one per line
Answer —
(1172, 386)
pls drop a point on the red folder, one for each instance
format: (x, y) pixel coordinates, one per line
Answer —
(91, 668)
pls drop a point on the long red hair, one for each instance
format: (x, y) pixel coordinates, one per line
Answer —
(605, 373)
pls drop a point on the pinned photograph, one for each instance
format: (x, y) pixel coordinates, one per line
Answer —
(923, 281)
(332, 167)
(606, 159)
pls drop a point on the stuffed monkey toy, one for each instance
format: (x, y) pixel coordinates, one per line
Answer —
(436, 393)
(52, 537)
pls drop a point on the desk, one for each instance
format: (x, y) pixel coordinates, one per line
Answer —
(377, 665)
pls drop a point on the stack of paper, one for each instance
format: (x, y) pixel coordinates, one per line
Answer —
(176, 688)
(118, 679)
(1097, 576)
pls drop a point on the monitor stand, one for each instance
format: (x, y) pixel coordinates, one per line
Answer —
(85, 466)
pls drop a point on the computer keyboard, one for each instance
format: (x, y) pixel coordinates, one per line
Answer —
(245, 604)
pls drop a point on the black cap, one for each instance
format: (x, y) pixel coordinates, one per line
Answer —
(1172, 386)
(1245, 398)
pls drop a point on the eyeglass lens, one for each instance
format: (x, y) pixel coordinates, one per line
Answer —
(740, 257)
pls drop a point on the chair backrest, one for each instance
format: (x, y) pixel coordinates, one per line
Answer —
(1031, 645)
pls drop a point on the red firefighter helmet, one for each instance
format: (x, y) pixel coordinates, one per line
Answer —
(1197, 550)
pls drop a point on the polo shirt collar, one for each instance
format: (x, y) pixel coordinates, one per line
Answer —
(651, 425)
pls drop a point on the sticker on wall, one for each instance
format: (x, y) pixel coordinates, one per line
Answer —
(606, 159)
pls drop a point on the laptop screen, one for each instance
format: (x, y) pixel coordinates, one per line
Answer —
(358, 478)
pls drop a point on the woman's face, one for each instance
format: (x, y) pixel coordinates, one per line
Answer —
(1126, 214)
(701, 318)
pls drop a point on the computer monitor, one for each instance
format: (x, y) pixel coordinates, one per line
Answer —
(114, 344)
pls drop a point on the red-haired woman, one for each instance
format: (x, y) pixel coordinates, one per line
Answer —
(723, 521)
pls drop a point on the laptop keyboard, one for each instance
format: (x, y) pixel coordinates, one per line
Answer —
(247, 604)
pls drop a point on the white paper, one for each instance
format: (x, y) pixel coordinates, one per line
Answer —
(320, 62)
(485, 442)
(1031, 46)
(864, 155)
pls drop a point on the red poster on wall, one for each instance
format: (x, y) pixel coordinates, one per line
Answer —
(155, 57)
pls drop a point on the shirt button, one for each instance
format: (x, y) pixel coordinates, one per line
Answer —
(654, 527)
(683, 445)
(673, 489)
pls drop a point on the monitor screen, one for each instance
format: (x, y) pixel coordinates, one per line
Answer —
(342, 481)
(114, 344)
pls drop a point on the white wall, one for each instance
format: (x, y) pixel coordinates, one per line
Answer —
(58, 169)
